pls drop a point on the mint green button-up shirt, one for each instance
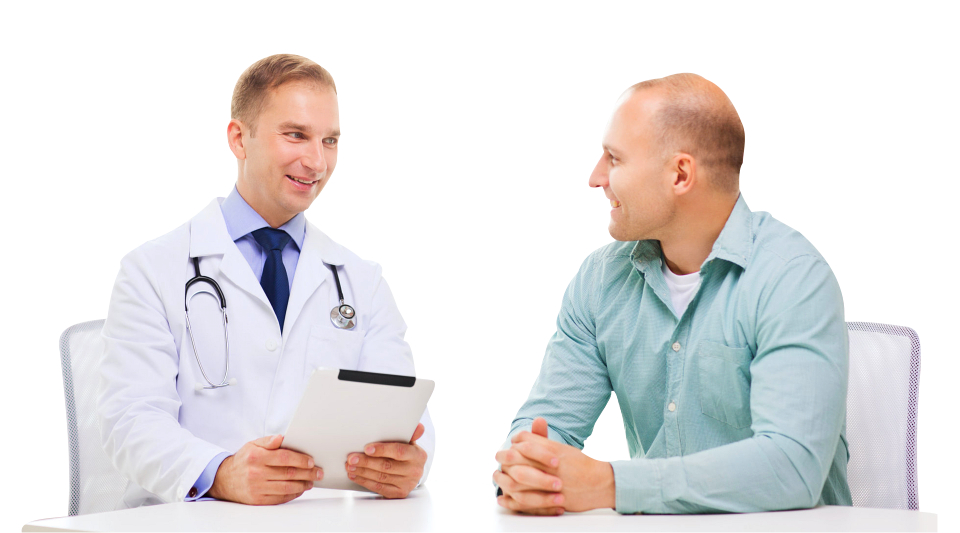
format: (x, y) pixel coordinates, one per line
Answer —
(737, 405)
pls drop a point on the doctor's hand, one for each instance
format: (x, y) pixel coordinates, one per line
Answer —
(541, 476)
(261, 473)
(391, 469)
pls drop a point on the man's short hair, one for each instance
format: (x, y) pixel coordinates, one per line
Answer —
(696, 117)
(267, 74)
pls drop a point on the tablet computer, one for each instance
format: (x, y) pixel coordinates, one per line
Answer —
(342, 411)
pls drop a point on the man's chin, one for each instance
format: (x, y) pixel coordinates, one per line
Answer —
(622, 234)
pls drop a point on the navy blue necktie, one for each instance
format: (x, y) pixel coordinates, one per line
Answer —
(274, 277)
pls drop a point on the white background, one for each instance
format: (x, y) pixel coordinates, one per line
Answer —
(469, 133)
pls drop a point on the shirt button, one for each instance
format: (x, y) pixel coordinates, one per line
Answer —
(676, 346)
(271, 345)
(672, 407)
(192, 493)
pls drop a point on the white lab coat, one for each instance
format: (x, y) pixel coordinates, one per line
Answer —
(161, 432)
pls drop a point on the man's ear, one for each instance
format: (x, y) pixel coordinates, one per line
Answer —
(237, 133)
(684, 170)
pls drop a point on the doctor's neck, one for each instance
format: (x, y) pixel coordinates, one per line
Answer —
(272, 211)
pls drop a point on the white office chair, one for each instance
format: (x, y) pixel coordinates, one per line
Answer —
(881, 418)
(95, 485)
(882, 415)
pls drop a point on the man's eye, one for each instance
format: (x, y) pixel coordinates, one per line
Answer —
(332, 141)
(296, 135)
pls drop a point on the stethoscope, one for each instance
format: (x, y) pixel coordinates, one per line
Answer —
(343, 316)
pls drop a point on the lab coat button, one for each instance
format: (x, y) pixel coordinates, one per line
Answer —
(192, 493)
(676, 346)
(271, 345)
(672, 407)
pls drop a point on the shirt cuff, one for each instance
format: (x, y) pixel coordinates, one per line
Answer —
(203, 483)
(646, 485)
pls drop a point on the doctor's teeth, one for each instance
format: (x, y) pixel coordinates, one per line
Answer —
(614, 203)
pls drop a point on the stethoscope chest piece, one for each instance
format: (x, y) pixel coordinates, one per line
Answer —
(343, 316)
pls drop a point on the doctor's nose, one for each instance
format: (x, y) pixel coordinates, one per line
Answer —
(315, 159)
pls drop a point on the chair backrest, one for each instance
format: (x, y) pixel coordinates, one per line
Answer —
(95, 485)
(882, 415)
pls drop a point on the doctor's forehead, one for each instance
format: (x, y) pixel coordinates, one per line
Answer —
(301, 106)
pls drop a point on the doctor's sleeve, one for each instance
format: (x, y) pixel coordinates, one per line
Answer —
(138, 404)
(385, 350)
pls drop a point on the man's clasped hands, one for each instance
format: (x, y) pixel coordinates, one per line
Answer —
(543, 477)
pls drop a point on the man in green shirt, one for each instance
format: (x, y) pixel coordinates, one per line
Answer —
(721, 331)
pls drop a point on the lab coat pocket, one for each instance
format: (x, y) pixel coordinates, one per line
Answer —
(331, 347)
(725, 383)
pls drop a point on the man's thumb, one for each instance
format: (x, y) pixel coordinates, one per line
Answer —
(539, 427)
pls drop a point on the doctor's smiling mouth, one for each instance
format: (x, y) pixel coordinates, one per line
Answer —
(301, 183)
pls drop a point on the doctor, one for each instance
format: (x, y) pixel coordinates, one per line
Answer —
(167, 428)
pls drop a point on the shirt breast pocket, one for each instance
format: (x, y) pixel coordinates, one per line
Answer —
(331, 347)
(725, 383)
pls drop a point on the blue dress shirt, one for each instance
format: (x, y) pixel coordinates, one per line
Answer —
(242, 221)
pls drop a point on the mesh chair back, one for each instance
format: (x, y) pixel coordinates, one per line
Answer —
(95, 485)
(882, 415)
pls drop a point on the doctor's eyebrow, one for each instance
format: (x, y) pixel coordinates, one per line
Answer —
(304, 128)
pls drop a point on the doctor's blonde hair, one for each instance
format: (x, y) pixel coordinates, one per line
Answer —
(266, 75)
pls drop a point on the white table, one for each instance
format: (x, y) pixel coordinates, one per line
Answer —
(331, 510)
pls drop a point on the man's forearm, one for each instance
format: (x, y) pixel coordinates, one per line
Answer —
(762, 473)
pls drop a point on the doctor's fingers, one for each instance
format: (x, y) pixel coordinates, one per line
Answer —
(396, 450)
(417, 433)
(387, 479)
(273, 499)
(283, 473)
(390, 466)
(384, 489)
(283, 457)
(285, 488)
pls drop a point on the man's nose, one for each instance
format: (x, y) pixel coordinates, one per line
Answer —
(314, 158)
(599, 176)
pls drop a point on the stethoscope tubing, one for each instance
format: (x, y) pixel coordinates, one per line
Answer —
(342, 317)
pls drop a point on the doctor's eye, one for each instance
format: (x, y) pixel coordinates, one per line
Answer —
(331, 141)
(297, 135)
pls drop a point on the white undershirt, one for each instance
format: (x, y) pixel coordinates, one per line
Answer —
(682, 288)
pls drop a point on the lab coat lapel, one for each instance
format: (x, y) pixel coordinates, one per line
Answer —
(312, 271)
(209, 236)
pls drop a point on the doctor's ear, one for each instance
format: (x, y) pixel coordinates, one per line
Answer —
(236, 132)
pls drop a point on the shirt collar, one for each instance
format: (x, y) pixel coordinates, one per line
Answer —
(241, 219)
(735, 243)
